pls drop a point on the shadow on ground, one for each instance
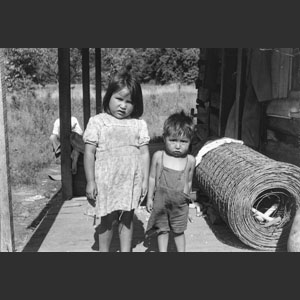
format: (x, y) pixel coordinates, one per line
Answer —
(149, 243)
(138, 236)
(225, 235)
(43, 223)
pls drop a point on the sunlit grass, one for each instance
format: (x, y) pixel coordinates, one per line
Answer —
(31, 118)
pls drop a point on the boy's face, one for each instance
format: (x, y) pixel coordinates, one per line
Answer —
(177, 146)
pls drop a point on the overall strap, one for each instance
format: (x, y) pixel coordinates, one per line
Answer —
(186, 163)
(161, 166)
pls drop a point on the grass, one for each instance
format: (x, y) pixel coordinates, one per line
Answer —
(31, 117)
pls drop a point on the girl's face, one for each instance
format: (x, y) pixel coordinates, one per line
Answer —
(120, 104)
(177, 146)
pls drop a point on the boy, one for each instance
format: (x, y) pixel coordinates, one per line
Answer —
(55, 135)
(75, 138)
(170, 182)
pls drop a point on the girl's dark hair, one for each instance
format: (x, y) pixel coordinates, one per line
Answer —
(118, 82)
(179, 124)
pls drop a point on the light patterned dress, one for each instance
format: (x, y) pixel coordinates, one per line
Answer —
(118, 165)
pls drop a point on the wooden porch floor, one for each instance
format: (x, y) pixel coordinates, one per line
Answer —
(66, 228)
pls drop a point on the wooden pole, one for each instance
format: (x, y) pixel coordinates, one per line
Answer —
(99, 107)
(238, 94)
(86, 85)
(6, 212)
(65, 121)
(221, 126)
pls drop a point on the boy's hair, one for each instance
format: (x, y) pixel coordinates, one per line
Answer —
(118, 82)
(179, 124)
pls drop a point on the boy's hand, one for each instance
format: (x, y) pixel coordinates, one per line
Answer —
(149, 205)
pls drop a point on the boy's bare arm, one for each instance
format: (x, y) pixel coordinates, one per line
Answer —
(192, 162)
(152, 180)
(145, 167)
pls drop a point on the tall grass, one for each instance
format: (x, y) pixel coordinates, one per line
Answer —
(161, 101)
(31, 117)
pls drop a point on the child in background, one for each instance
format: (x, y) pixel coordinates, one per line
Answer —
(116, 160)
(55, 135)
(76, 134)
(170, 182)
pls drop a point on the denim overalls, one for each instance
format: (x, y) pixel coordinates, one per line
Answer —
(170, 204)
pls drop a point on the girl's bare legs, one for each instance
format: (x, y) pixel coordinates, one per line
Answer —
(163, 240)
(126, 230)
(180, 242)
(106, 232)
(125, 235)
(105, 240)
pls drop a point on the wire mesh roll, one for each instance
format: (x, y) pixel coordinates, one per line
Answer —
(236, 179)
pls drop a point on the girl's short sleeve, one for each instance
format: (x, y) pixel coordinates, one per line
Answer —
(92, 132)
(144, 134)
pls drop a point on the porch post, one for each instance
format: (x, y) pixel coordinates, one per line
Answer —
(6, 212)
(86, 85)
(238, 94)
(99, 107)
(65, 121)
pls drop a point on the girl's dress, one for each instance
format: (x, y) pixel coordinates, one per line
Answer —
(118, 165)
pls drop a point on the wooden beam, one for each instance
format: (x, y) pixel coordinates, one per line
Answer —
(238, 94)
(221, 127)
(6, 212)
(99, 107)
(65, 120)
(86, 85)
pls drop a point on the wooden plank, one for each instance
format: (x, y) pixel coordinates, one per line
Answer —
(65, 120)
(285, 59)
(275, 72)
(86, 85)
(295, 71)
(281, 72)
(229, 87)
(285, 108)
(99, 107)
(6, 212)
(221, 127)
(238, 94)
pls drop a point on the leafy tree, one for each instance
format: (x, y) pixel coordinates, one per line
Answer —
(21, 67)
(28, 66)
(165, 65)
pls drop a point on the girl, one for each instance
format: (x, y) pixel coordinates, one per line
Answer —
(170, 182)
(116, 160)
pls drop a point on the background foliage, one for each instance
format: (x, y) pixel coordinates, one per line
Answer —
(28, 66)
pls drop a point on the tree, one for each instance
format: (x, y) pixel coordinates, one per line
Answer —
(28, 66)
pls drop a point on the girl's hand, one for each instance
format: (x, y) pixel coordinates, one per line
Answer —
(91, 192)
(142, 198)
(144, 189)
(144, 192)
(149, 205)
